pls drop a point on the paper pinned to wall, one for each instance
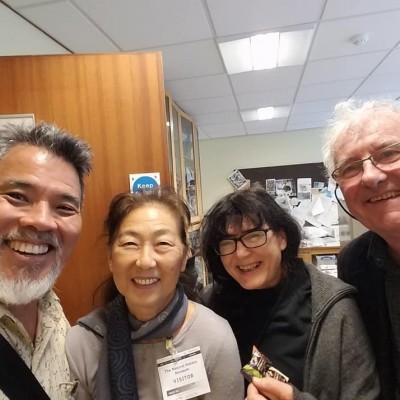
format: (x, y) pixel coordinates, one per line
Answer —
(304, 188)
(238, 181)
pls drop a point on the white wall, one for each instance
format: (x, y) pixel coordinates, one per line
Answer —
(219, 157)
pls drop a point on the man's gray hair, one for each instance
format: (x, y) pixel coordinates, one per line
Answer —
(350, 115)
(61, 143)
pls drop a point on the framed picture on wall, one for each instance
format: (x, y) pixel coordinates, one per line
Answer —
(17, 119)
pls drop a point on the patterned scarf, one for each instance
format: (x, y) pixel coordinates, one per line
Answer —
(123, 329)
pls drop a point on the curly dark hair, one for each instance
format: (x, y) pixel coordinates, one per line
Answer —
(260, 208)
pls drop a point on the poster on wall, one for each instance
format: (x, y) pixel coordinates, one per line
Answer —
(146, 181)
(27, 120)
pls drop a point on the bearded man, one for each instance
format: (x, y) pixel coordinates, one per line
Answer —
(42, 171)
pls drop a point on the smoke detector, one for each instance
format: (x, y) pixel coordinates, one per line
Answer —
(360, 39)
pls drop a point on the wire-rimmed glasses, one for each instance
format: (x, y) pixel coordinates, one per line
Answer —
(383, 159)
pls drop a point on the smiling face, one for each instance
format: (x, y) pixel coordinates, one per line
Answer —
(373, 197)
(256, 268)
(146, 259)
(40, 221)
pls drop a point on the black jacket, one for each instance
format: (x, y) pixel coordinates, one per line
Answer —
(361, 264)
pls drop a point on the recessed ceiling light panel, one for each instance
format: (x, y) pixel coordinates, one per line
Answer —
(266, 51)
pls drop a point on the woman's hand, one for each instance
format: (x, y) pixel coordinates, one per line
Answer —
(262, 388)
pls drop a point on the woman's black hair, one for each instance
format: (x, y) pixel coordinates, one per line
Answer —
(260, 208)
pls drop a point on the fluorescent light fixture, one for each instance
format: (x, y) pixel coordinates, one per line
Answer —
(265, 113)
(237, 55)
(293, 47)
(266, 51)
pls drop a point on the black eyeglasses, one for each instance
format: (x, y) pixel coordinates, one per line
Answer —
(252, 239)
(382, 159)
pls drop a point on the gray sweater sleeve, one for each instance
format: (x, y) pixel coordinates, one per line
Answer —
(83, 352)
(226, 381)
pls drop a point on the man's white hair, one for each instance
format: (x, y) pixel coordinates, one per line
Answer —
(349, 116)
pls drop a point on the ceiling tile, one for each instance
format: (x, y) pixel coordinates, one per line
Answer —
(204, 106)
(191, 59)
(380, 84)
(327, 90)
(268, 98)
(217, 118)
(202, 135)
(270, 79)
(305, 125)
(390, 65)
(341, 68)
(333, 37)
(266, 126)
(224, 130)
(258, 15)
(378, 95)
(56, 19)
(201, 87)
(21, 3)
(142, 24)
(347, 8)
(311, 117)
(315, 106)
(19, 37)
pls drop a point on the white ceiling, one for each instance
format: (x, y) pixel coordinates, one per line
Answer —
(188, 31)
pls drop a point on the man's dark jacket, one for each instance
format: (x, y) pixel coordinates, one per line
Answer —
(361, 264)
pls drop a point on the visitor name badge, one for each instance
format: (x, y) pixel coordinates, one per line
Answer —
(183, 375)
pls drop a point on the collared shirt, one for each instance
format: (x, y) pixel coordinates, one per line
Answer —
(46, 356)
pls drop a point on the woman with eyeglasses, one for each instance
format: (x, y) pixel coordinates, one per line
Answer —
(304, 321)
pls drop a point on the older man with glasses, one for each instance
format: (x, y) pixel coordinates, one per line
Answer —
(362, 154)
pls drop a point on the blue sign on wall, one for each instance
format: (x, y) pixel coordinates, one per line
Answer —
(144, 181)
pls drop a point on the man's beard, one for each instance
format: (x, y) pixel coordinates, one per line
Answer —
(24, 288)
(19, 291)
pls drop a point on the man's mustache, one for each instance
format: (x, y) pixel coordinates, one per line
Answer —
(42, 237)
